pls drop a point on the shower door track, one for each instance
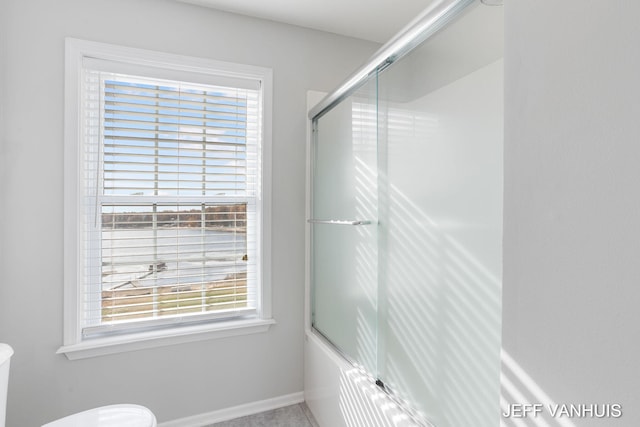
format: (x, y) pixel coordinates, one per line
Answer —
(428, 23)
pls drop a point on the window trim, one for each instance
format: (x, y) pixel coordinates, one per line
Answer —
(73, 345)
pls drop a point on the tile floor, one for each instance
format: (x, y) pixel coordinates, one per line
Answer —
(289, 416)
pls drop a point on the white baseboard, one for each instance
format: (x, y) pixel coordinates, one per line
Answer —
(236, 411)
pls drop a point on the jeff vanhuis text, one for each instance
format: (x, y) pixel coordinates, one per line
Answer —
(524, 410)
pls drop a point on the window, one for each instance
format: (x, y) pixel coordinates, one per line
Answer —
(166, 181)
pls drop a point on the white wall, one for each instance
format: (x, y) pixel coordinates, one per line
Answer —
(175, 381)
(571, 303)
(3, 38)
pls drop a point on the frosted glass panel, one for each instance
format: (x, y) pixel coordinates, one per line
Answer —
(344, 257)
(440, 116)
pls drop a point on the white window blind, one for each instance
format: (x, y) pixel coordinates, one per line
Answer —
(170, 189)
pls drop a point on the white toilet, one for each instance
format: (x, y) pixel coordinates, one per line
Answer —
(105, 416)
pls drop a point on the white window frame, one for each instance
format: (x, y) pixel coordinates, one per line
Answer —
(74, 347)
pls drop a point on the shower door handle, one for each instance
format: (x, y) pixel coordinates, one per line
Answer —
(339, 221)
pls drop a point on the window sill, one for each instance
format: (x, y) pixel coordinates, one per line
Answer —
(140, 341)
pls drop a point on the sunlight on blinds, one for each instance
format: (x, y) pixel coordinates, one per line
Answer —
(170, 179)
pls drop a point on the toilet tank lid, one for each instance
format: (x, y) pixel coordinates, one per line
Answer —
(109, 416)
(5, 352)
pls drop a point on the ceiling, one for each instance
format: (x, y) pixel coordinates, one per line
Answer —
(374, 20)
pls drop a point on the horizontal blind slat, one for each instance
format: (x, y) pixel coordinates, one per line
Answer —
(162, 106)
(211, 139)
(173, 134)
(139, 113)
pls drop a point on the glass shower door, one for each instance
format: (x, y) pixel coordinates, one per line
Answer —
(440, 223)
(344, 226)
(407, 222)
